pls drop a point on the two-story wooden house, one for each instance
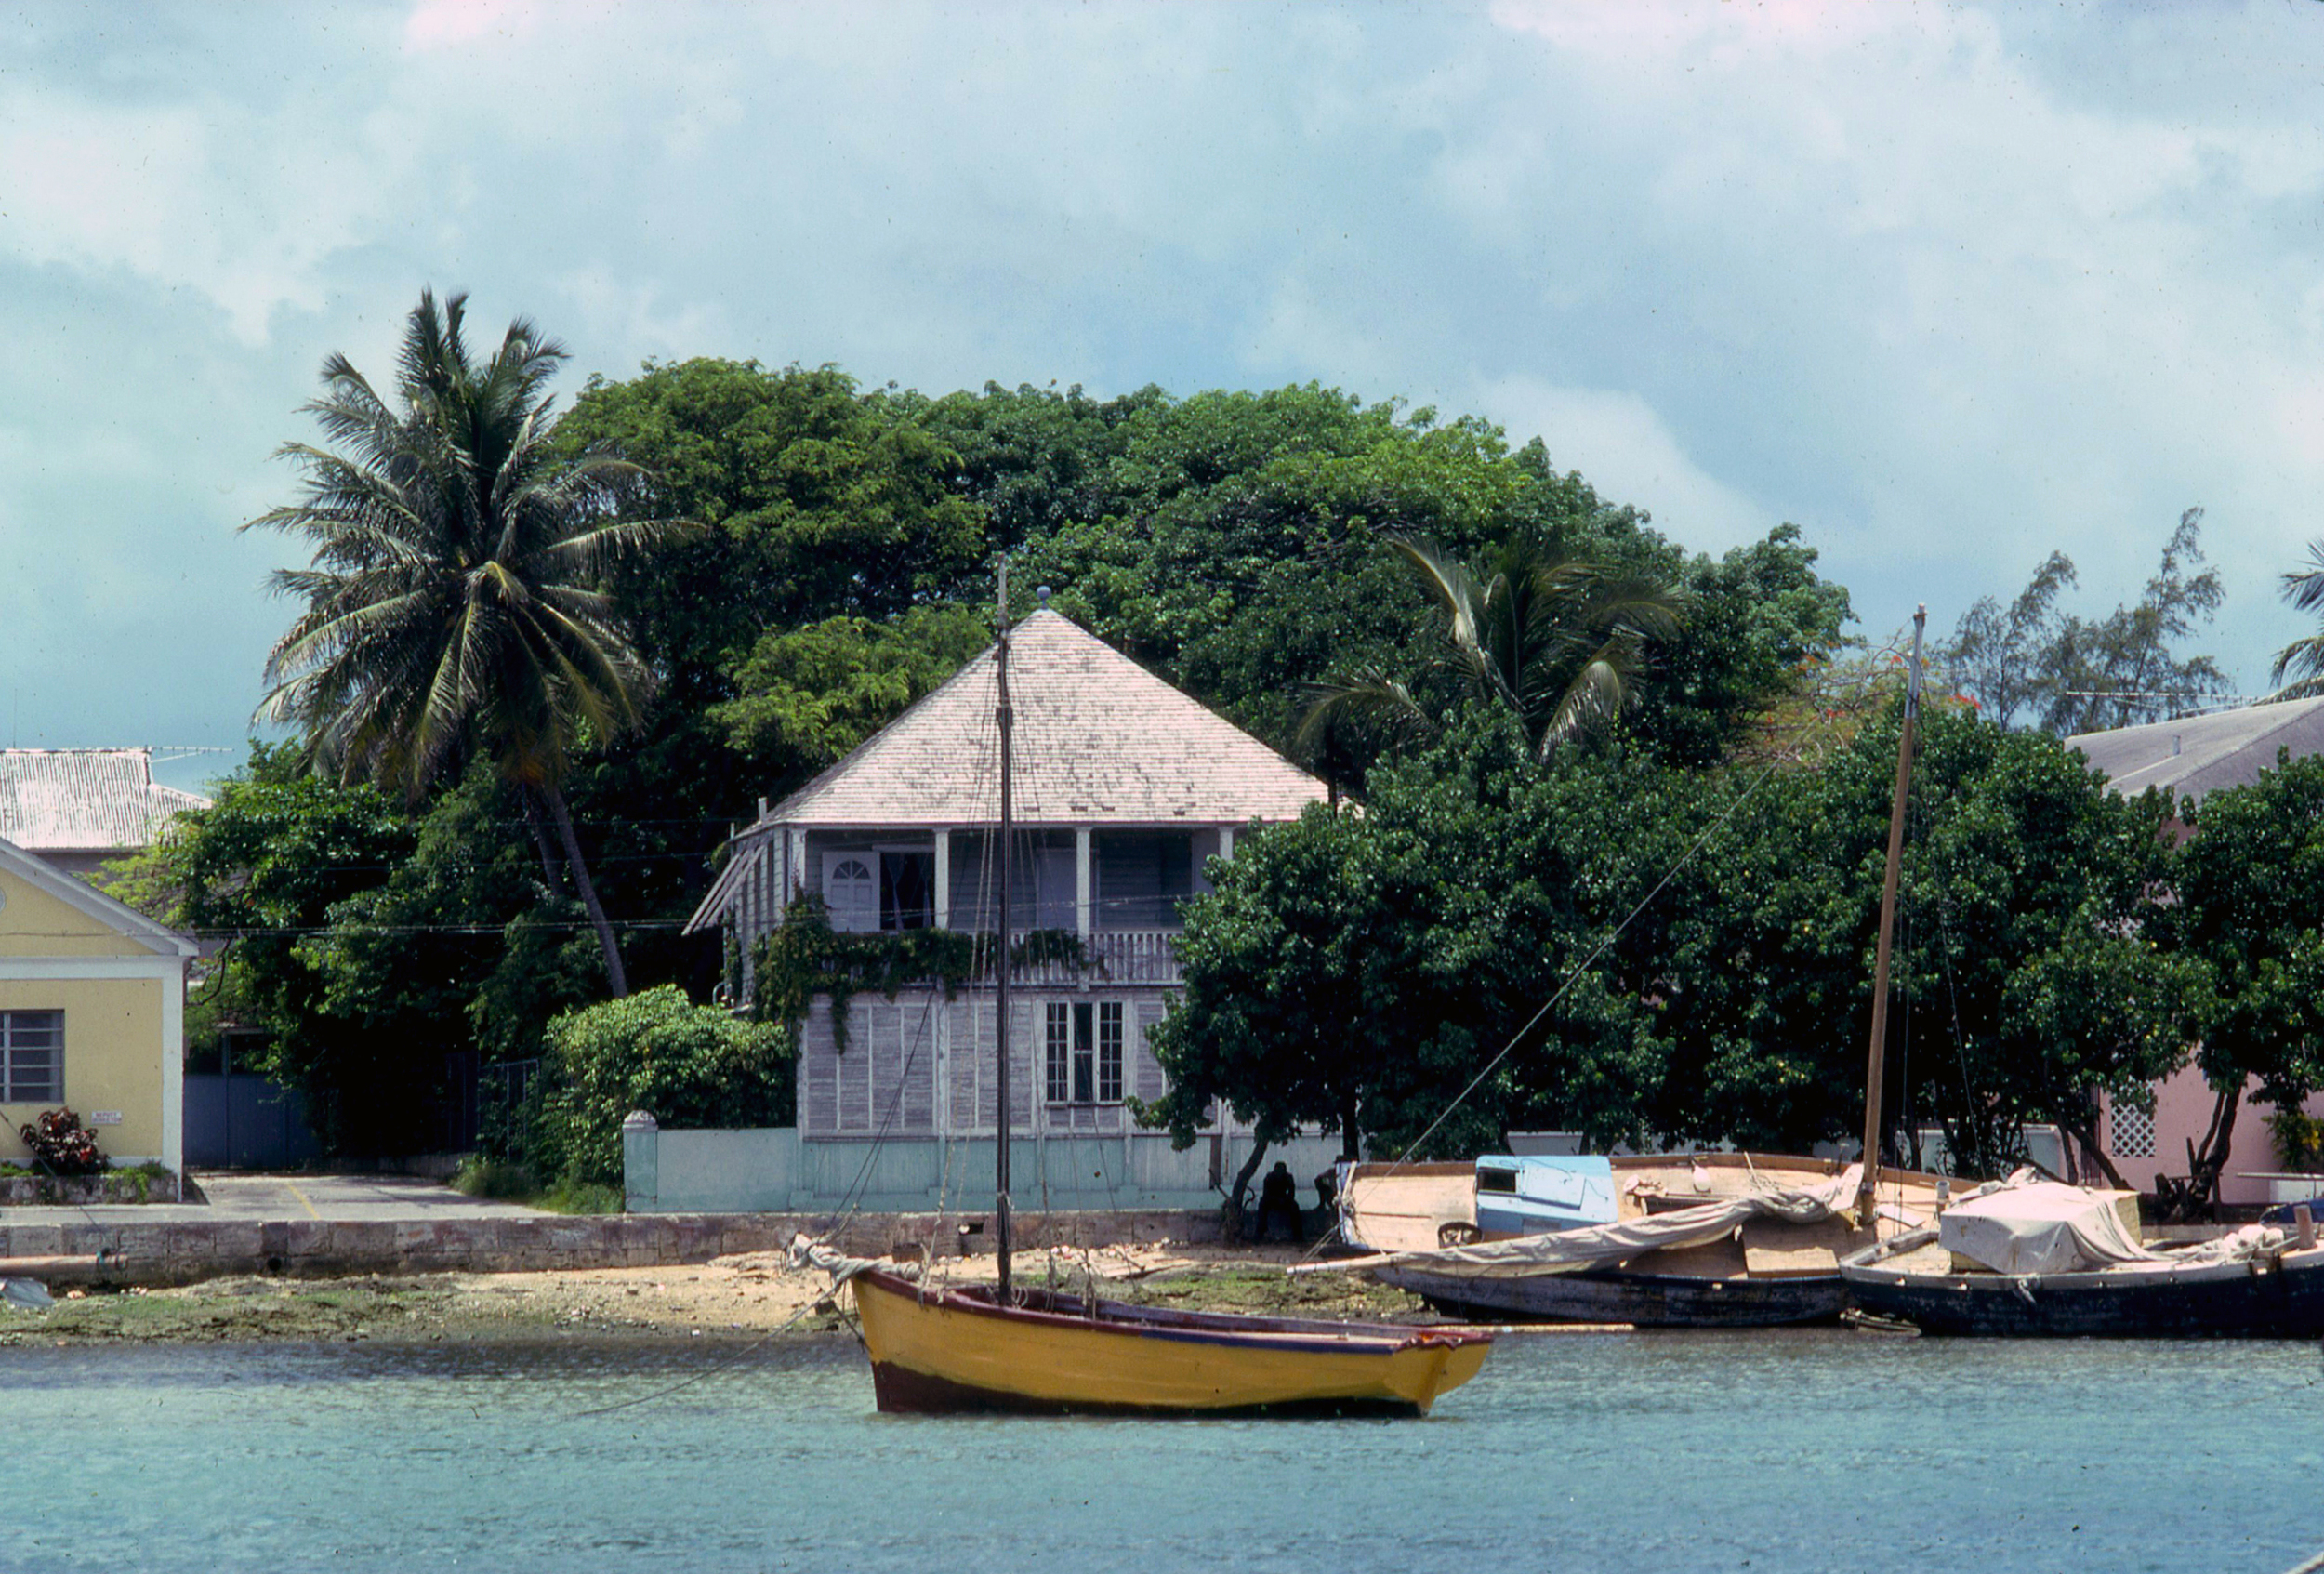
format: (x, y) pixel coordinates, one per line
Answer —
(1123, 790)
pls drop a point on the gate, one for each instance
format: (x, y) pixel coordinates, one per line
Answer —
(245, 1121)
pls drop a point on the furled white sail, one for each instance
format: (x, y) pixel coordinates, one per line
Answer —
(1599, 1245)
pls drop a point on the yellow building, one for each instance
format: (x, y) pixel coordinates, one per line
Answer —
(92, 1015)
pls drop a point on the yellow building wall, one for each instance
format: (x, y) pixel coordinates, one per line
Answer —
(34, 924)
(112, 1034)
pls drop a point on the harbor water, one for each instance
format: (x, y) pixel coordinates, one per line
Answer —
(1773, 1451)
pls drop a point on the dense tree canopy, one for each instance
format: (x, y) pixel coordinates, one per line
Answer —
(1485, 919)
(840, 567)
(2246, 908)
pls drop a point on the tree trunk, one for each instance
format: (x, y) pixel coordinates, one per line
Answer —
(2084, 1136)
(532, 802)
(616, 973)
(2204, 1165)
(1235, 1209)
(1351, 1131)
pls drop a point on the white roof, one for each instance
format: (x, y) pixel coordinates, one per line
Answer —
(1096, 740)
(2197, 754)
(83, 800)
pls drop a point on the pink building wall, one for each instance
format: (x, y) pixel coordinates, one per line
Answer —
(2183, 1107)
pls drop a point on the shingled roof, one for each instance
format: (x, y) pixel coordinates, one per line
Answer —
(2196, 754)
(83, 800)
(1098, 741)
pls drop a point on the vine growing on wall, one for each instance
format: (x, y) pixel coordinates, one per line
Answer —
(803, 957)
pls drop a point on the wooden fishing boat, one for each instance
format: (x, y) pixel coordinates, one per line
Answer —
(1758, 1271)
(2256, 1283)
(2271, 1295)
(1015, 1348)
(957, 1350)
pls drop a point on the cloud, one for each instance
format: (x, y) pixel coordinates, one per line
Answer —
(1629, 454)
(239, 209)
(443, 24)
(1949, 286)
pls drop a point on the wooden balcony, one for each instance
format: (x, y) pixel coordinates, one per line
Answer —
(1113, 955)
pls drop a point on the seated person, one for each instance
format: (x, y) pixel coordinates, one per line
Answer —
(1279, 1199)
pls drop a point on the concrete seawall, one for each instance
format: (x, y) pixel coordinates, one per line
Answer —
(161, 1254)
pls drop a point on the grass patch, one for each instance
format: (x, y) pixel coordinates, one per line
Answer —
(580, 1196)
(495, 1180)
(501, 1181)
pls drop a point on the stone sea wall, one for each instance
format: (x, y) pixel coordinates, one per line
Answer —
(141, 1185)
(186, 1254)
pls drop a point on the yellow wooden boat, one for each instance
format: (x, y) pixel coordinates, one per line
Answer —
(951, 1350)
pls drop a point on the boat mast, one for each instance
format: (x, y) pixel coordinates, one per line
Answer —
(1878, 1058)
(1000, 950)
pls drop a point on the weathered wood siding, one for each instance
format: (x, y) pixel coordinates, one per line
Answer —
(921, 1065)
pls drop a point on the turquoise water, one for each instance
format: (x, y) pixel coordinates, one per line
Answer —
(1770, 1452)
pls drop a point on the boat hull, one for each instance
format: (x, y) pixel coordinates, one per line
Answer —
(2261, 1299)
(946, 1352)
(1641, 1299)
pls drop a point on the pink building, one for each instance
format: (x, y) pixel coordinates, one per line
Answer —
(2193, 756)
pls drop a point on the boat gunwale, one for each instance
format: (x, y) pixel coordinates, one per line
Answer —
(1204, 1328)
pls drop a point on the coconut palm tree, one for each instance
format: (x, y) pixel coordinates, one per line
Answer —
(2303, 660)
(452, 608)
(1560, 642)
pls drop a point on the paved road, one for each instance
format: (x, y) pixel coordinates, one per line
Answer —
(341, 1199)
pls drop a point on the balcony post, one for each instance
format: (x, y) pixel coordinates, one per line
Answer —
(1083, 907)
(943, 880)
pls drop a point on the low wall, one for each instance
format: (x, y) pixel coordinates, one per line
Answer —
(186, 1253)
(771, 1169)
(108, 1186)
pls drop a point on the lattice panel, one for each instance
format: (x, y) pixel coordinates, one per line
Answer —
(2130, 1132)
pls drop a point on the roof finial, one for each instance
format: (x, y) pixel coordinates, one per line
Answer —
(1042, 591)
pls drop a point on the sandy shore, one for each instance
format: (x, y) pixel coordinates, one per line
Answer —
(748, 1296)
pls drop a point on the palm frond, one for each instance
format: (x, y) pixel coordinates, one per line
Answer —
(1371, 701)
(451, 601)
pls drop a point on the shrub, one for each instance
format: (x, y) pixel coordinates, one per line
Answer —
(61, 1145)
(682, 1063)
(2299, 1140)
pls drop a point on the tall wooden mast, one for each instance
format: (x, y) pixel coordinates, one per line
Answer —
(1000, 946)
(1878, 1058)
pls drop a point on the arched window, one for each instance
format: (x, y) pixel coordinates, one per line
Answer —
(852, 891)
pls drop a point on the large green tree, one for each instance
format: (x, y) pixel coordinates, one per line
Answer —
(454, 605)
(2245, 903)
(260, 873)
(1619, 945)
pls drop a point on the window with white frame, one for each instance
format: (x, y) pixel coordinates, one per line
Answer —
(31, 1057)
(1057, 1052)
(1109, 1051)
(1081, 1059)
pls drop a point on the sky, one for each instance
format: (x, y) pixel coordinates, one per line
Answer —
(1948, 287)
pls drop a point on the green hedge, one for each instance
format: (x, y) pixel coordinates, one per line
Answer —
(682, 1063)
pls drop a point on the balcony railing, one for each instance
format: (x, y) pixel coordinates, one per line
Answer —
(1111, 955)
(1136, 956)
